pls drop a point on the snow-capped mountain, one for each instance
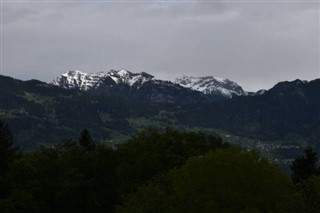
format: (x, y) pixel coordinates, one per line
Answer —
(145, 86)
(85, 81)
(213, 86)
(122, 82)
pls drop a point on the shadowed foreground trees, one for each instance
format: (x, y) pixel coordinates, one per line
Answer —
(306, 176)
(7, 150)
(305, 166)
(226, 180)
(8, 153)
(86, 141)
(155, 171)
(78, 177)
(64, 178)
(151, 153)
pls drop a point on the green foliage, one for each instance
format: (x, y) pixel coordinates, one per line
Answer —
(304, 166)
(105, 117)
(64, 178)
(155, 171)
(151, 153)
(306, 176)
(310, 190)
(142, 123)
(86, 141)
(225, 180)
(206, 184)
(19, 202)
(8, 153)
(7, 150)
(35, 98)
(151, 197)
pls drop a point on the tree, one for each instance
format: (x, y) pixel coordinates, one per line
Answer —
(63, 178)
(152, 152)
(225, 180)
(305, 174)
(230, 180)
(151, 197)
(311, 193)
(7, 151)
(304, 166)
(86, 141)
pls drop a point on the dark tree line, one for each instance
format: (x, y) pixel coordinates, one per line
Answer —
(7, 150)
(305, 166)
(154, 171)
(306, 177)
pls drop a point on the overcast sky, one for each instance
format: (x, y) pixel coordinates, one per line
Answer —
(255, 44)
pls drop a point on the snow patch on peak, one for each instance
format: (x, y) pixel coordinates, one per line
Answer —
(73, 73)
(76, 79)
(127, 77)
(260, 92)
(123, 72)
(210, 85)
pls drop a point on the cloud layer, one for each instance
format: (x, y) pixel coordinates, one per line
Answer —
(255, 44)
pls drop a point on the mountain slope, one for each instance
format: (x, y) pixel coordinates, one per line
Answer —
(41, 113)
(288, 111)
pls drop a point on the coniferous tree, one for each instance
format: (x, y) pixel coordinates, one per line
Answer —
(7, 151)
(7, 154)
(86, 141)
(304, 166)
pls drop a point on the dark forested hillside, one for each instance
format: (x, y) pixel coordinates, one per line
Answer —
(288, 111)
(40, 113)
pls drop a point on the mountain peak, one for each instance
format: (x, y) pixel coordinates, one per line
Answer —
(76, 79)
(120, 73)
(123, 72)
(210, 85)
(73, 73)
(288, 84)
(218, 88)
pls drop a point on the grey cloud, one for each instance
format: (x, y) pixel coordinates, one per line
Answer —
(15, 12)
(255, 44)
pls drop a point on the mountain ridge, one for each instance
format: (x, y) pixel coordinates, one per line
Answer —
(210, 85)
(215, 88)
(43, 113)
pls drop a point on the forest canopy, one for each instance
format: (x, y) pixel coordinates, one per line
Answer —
(154, 171)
